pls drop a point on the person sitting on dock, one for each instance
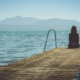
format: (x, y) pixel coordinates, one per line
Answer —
(73, 38)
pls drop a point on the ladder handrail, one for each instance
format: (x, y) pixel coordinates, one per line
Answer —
(47, 38)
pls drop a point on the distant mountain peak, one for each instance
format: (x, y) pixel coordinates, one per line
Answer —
(18, 17)
(19, 20)
(36, 23)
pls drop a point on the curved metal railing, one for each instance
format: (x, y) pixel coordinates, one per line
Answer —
(47, 38)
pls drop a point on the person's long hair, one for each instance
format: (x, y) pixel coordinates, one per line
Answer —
(73, 29)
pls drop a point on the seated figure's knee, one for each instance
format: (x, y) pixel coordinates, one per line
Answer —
(73, 46)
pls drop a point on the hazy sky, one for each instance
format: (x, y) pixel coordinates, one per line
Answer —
(43, 9)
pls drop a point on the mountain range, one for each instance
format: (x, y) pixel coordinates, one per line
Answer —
(29, 23)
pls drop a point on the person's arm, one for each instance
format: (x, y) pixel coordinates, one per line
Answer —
(69, 38)
(77, 38)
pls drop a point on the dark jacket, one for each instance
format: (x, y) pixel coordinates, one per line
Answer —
(73, 38)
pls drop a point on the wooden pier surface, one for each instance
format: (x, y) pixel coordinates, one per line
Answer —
(55, 64)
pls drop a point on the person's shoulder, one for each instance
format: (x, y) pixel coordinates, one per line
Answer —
(69, 33)
(77, 33)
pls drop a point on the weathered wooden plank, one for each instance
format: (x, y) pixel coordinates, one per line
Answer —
(55, 64)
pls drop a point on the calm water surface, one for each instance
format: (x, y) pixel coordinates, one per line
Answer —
(20, 44)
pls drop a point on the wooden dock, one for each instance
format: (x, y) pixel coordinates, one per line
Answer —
(55, 64)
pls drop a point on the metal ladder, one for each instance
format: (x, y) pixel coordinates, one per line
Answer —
(47, 38)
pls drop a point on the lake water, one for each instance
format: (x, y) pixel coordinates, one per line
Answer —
(21, 44)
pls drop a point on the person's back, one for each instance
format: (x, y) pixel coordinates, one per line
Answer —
(73, 38)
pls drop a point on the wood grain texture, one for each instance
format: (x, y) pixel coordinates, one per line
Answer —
(55, 64)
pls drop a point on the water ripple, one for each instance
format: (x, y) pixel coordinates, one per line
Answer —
(17, 45)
